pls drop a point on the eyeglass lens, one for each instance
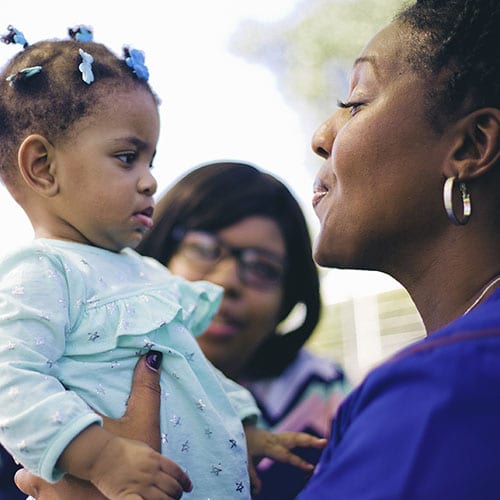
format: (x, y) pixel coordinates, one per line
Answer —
(256, 266)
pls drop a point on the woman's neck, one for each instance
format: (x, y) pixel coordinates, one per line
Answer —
(455, 277)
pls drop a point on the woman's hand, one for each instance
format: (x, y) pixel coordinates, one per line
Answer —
(141, 422)
(67, 488)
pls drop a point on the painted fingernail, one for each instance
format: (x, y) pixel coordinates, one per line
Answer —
(153, 360)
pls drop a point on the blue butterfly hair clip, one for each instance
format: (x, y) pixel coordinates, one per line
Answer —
(81, 33)
(135, 59)
(85, 67)
(22, 75)
(14, 36)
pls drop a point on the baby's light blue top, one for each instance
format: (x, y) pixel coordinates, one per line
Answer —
(74, 320)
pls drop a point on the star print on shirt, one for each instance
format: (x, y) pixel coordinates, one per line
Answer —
(93, 336)
(176, 420)
(13, 392)
(216, 469)
(189, 356)
(57, 418)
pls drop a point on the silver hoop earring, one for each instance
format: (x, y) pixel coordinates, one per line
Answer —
(448, 201)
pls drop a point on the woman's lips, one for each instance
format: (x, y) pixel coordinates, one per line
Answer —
(221, 329)
(317, 197)
(319, 192)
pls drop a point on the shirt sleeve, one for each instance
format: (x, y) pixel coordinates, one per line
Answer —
(38, 416)
(414, 429)
(241, 399)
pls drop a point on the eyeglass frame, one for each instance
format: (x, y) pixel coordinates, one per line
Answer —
(179, 234)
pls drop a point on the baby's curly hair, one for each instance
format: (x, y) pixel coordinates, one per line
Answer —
(51, 101)
(455, 46)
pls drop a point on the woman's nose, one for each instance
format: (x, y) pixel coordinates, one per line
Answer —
(225, 274)
(324, 136)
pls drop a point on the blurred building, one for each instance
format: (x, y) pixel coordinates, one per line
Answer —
(362, 332)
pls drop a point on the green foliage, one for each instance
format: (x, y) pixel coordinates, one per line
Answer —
(311, 52)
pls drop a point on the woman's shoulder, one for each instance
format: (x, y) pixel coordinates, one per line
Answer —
(307, 368)
(310, 382)
(458, 364)
(308, 364)
(432, 391)
(466, 340)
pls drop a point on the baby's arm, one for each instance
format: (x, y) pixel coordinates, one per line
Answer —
(49, 429)
(277, 445)
(140, 421)
(120, 467)
(262, 443)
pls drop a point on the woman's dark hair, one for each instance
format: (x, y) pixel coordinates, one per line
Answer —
(221, 193)
(456, 43)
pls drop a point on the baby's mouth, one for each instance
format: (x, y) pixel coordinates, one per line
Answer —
(145, 217)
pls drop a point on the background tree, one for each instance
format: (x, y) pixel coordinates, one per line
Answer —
(312, 50)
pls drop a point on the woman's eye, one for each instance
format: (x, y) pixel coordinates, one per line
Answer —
(203, 252)
(351, 105)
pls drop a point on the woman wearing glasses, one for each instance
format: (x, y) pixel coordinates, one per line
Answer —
(236, 226)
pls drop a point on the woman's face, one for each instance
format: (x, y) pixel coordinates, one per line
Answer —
(378, 193)
(248, 314)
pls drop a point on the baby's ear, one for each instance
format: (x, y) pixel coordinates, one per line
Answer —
(35, 162)
(476, 149)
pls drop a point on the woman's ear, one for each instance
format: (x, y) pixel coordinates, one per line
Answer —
(476, 149)
(35, 161)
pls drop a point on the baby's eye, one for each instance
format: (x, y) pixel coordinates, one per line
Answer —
(127, 158)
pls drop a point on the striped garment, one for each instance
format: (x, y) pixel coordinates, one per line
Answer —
(303, 398)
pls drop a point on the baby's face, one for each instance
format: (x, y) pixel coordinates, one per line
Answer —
(104, 173)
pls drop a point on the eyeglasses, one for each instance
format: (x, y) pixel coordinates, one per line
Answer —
(257, 267)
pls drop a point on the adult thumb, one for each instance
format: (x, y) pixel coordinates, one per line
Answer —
(145, 394)
(141, 420)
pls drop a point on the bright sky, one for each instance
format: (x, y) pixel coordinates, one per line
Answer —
(214, 105)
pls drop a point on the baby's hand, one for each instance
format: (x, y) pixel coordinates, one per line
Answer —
(127, 469)
(141, 421)
(262, 443)
(118, 465)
